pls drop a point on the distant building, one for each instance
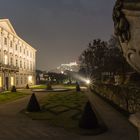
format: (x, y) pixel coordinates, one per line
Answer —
(73, 66)
(17, 58)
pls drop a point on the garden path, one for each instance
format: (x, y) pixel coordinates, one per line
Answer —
(16, 126)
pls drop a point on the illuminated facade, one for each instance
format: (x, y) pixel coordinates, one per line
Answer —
(17, 58)
(73, 66)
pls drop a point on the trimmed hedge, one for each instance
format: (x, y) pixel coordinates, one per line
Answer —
(126, 97)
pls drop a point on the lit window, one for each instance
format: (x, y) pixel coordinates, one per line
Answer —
(5, 59)
(0, 81)
(30, 79)
(12, 81)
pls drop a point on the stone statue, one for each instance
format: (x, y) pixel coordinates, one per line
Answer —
(121, 24)
(126, 17)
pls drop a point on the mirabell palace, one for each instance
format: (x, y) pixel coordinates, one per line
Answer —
(17, 58)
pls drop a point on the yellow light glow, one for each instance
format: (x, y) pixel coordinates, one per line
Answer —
(88, 82)
(12, 81)
(5, 59)
(30, 79)
(0, 81)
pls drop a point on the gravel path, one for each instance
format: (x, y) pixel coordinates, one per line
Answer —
(16, 126)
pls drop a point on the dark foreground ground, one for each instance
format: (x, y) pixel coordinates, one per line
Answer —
(16, 126)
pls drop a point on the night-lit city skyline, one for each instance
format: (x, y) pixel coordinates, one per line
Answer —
(59, 30)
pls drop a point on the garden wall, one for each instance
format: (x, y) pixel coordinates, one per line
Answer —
(126, 97)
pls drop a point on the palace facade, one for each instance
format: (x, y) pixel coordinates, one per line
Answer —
(17, 58)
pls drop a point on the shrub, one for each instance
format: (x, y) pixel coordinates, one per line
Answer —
(33, 105)
(27, 86)
(88, 119)
(78, 87)
(13, 89)
(49, 86)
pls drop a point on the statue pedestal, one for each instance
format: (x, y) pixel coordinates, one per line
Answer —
(131, 50)
(126, 16)
(135, 120)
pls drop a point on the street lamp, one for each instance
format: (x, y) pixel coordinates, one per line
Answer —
(88, 82)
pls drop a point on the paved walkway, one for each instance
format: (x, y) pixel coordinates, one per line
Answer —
(16, 126)
(119, 128)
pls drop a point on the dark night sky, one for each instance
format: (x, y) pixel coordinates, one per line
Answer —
(59, 29)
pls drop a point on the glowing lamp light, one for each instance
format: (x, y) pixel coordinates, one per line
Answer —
(88, 82)
(30, 79)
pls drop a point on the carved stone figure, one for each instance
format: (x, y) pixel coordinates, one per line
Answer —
(126, 16)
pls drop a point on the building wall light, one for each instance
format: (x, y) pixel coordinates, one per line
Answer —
(30, 79)
(5, 59)
(0, 81)
(12, 81)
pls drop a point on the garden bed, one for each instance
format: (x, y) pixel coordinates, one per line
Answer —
(8, 96)
(63, 110)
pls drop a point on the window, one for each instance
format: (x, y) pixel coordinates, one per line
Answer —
(27, 65)
(17, 81)
(11, 61)
(5, 59)
(0, 81)
(5, 41)
(16, 47)
(24, 65)
(20, 64)
(12, 81)
(31, 65)
(11, 44)
(21, 80)
(16, 63)
(30, 79)
(25, 80)
(20, 49)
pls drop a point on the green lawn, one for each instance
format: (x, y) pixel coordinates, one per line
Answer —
(10, 96)
(55, 86)
(69, 86)
(38, 87)
(61, 109)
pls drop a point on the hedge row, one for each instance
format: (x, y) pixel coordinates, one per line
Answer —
(126, 97)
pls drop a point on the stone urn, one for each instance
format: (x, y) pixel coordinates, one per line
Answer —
(126, 16)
